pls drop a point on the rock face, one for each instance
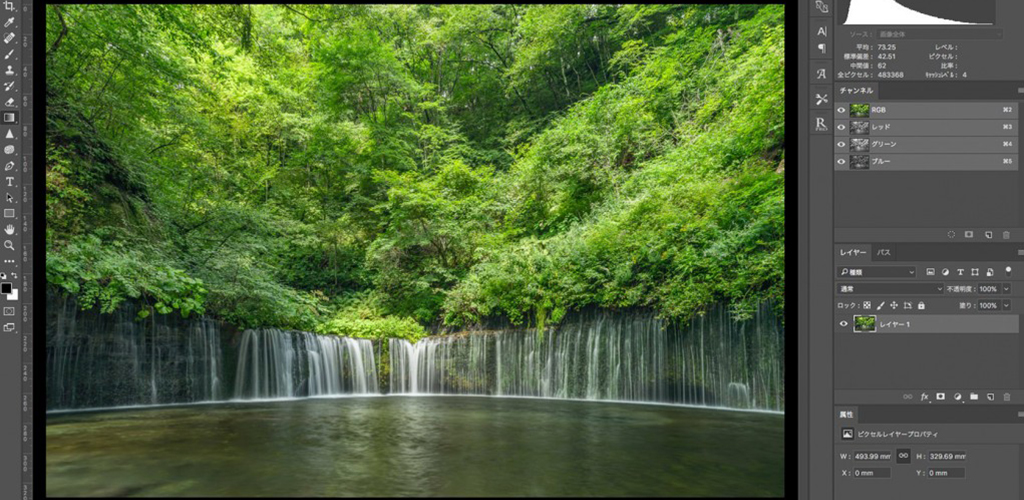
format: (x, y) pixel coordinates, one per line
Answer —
(100, 360)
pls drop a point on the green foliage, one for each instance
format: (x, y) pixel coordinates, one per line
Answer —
(373, 328)
(361, 319)
(265, 164)
(627, 207)
(104, 274)
(434, 226)
(66, 199)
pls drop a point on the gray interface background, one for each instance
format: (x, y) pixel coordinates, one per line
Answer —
(837, 368)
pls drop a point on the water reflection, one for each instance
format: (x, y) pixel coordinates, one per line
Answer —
(443, 446)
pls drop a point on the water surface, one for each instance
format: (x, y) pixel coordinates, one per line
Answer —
(408, 446)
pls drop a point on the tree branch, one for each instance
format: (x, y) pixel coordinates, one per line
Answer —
(173, 141)
(301, 14)
(63, 30)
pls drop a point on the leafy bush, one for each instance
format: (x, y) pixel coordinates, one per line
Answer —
(105, 275)
(363, 320)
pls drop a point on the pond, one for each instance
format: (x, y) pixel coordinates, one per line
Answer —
(415, 446)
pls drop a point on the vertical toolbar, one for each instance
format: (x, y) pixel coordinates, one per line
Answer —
(16, 451)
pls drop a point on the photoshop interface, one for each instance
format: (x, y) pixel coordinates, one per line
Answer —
(16, 234)
(912, 249)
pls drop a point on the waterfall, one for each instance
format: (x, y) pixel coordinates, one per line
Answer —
(454, 364)
(403, 366)
(712, 360)
(274, 363)
(116, 359)
(738, 395)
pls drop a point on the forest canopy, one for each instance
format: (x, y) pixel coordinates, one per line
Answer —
(381, 170)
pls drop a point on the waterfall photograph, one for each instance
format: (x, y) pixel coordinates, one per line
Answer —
(300, 250)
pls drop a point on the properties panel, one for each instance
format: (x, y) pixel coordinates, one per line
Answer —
(914, 244)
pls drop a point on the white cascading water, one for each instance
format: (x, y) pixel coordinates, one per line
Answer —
(711, 361)
(453, 364)
(116, 359)
(99, 360)
(274, 363)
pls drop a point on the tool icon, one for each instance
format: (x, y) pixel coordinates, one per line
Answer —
(7, 288)
(8, 54)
